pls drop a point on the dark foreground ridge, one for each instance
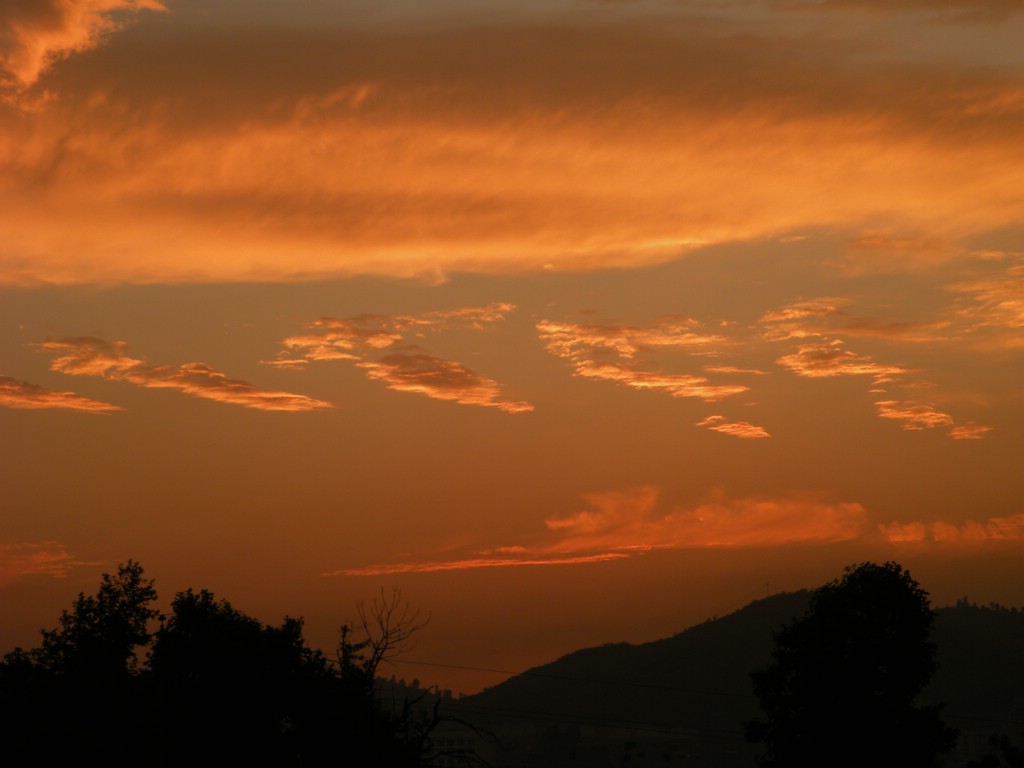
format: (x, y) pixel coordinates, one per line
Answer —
(207, 685)
(684, 700)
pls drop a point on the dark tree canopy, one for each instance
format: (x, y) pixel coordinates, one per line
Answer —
(842, 685)
(98, 638)
(217, 687)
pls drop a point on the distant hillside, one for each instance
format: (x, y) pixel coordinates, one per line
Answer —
(696, 684)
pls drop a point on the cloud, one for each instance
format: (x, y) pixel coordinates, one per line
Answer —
(805, 308)
(919, 416)
(741, 429)
(812, 318)
(819, 318)
(22, 395)
(36, 33)
(353, 151)
(888, 253)
(95, 357)
(969, 432)
(830, 359)
(913, 416)
(388, 569)
(677, 385)
(408, 369)
(631, 519)
(607, 352)
(626, 341)
(415, 371)
(46, 558)
(353, 337)
(995, 303)
(994, 530)
(630, 523)
(734, 369)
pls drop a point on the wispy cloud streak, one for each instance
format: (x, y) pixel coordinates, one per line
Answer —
(995, 304)
(608, 352)
(815, 318)
(815, 321)
(972, 532)
(622, 524)
(22, 395)
(407, 368)
(358, 157)
(828, 359)
(741, 429)
(913, 416)
(87, 356)
(46, 558)
(387, 569)
(35, 34)
(416, 371)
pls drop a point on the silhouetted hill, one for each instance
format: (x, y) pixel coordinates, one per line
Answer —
(695, 686)
(981, 670)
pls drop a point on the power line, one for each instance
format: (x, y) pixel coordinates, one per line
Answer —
(568, 678)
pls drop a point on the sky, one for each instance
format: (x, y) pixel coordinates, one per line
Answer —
(575, 321)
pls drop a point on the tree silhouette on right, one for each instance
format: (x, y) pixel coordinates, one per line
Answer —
(842, 686)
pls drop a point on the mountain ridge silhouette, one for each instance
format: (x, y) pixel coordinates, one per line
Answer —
(697, 681)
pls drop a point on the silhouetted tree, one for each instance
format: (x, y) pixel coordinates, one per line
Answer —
(228, 684)
(98, 638)
(842, 686)
(218, 687)
(78, 692)
(386, 628)
(1004, 754)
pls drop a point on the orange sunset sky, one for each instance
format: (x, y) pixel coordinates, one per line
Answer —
(576, 320)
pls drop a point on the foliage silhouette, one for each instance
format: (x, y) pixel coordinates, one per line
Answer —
(97, 639)
(78, 692)
(224, 682)
(217, 687)
(1004, 754)
(842, 686)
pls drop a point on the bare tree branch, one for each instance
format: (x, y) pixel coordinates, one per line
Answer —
(385, 630)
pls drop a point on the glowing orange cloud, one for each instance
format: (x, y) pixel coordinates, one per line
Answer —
(388, 569)
(375, 163)
(918, 416)
(741, 429)
(803, 309)
(913, 416)
(969, 432)
(734, 369)
(629, 523)
(564, 339)
(35, 34)
(47, 558)
(410, 369)
(630, 519)
(352, 337)
(414, 371)
(994, 530)
(817, 317)
(996, 303)
(21, 394)
(588, 347)
(95, 357)
(830, 359)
